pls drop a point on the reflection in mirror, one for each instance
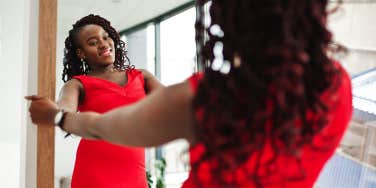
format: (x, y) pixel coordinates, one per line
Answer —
(140, 44)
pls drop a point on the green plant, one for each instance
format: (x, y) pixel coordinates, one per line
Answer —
(160, 172)
(160, 166)
(148, 178)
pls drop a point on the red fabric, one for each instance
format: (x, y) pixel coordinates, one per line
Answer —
(100, 164)
(312, 160)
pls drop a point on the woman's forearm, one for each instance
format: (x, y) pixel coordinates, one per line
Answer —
(82, 124)
(163, 116)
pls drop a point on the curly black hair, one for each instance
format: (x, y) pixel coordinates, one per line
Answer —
(72, 64)
(266, 65)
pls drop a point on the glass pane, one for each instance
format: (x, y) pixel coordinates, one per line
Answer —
(140, 47)
(178, 48)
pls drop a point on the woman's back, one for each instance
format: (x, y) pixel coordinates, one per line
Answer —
(284, 170)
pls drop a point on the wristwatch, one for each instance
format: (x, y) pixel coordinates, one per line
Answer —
(59, 118)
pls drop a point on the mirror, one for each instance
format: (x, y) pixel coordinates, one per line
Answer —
(151, 30)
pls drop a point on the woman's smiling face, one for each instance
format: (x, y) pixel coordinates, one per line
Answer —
(96, 46)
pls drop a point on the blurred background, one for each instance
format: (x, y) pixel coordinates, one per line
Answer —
(159, 37)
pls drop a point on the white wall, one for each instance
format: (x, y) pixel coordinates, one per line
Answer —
(137, 48)
(30, 72)
(15, 43)
(353, 26)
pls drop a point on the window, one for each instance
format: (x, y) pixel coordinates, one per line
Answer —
(178, 48)
(140, 46)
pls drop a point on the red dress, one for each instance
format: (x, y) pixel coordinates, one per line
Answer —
(312, 160)
(100, 164)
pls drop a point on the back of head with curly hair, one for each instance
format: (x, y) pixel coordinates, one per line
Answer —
(266, 66)
(72, 63)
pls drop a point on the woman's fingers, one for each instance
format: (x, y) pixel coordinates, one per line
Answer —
(33, 97)
(42, 110)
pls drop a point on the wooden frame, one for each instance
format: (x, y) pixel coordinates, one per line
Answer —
(46, 87)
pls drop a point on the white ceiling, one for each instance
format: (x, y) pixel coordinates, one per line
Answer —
(123, 14)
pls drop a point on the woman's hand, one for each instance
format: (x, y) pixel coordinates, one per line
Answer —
(42, 110)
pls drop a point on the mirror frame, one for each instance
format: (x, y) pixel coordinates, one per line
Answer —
(47, 31)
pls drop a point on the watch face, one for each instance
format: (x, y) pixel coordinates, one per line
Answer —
(58, 117)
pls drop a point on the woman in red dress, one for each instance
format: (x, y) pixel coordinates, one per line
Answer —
(269, 110)
(98, 79)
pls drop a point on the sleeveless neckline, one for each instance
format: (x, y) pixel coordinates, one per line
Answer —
(100, 164)
(129, 79)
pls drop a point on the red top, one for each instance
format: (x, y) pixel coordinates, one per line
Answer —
(100, 164)
(312, 160)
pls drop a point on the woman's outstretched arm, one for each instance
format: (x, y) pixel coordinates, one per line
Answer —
(163, 116)
(44, 110)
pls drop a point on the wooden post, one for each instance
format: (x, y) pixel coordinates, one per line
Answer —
(46, 87)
